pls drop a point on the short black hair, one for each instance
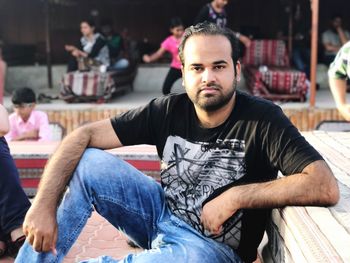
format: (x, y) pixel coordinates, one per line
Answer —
(23, 95)
(89, 21)
(175, 22)
(210, 29)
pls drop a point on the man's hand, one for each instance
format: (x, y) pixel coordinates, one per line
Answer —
(217, 211)
(40, 228)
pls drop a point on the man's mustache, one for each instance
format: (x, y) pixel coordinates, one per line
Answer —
(210, 85)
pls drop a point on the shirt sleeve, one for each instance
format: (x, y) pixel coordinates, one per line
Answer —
(142, 125)
(338, 68)
(44, 128)
(286, 149)
(166, 44)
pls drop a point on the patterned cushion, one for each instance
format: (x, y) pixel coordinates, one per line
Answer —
(276, 80)
(92, 84)
(266, 52)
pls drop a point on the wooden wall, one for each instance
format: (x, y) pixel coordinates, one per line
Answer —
(304, 119)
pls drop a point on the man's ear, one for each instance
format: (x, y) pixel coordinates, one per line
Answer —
(183, 76)
(238, 71)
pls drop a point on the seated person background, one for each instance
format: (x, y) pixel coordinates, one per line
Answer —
(92, 46)
(26, 123)
(13, 202)
(115, 46)
(334, 38)
(339, 74)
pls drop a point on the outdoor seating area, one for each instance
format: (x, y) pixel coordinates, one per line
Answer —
(269, 74)
(96, 86)
(296, 234)
(235, 115)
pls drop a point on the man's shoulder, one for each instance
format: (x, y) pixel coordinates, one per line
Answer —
(173, 98)
(251, 103)
(256, 109)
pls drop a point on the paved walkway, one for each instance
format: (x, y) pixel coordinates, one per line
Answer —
(98, 238)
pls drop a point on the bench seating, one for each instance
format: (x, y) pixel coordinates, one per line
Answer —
(269, 75)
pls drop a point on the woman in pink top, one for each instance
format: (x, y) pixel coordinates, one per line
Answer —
(170, 44)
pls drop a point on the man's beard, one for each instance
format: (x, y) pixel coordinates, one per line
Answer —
(215, 102)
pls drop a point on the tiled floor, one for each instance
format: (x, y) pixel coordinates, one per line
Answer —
(98, 238)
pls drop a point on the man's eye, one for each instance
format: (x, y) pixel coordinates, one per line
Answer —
(196, 68)
(219, 67)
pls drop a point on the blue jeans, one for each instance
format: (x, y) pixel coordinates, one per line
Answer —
(133, 203)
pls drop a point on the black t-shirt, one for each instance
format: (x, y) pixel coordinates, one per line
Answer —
(207, 13)
(252, 145)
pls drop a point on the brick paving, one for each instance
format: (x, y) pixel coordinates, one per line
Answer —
(98, 238)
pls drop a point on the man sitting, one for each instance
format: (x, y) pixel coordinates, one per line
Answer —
(221, 151)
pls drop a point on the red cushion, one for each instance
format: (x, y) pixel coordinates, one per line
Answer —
(266, 52)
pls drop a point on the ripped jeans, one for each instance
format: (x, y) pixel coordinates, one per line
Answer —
(135, 204)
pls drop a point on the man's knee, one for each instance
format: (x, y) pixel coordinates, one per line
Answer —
(95, 162)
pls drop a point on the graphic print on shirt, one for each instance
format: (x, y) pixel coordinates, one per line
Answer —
(191, 171)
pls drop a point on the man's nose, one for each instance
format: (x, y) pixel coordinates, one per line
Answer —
(208, 76)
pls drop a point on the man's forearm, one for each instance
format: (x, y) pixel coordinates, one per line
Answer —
(338, 88)
(315, 186)
(298, 189)
(60, 168)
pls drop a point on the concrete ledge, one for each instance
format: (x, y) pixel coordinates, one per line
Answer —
(32, 76)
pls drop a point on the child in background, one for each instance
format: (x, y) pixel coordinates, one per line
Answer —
(170, 44)
(26, 123)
